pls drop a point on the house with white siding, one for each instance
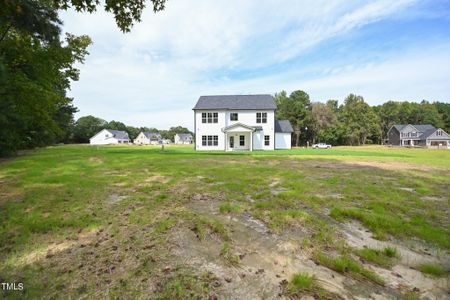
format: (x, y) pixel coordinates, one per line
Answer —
(239, 122)
(183, 138)
(109, 136)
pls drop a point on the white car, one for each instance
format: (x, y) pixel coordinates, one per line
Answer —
(321, 146)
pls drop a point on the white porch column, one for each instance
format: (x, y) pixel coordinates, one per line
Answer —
(226, 141)
(251, 140)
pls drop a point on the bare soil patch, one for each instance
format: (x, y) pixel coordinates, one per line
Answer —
(403, 275)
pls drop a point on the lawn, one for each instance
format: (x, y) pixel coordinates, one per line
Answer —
(139, 222)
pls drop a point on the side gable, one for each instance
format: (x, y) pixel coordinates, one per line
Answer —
(396, 128)
(98, 133)
(442, 136)
(409, 128)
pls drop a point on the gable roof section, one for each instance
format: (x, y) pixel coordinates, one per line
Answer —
(420, 128)
(150, 135)
(427, 133)
(432, 135)
(184, 136)
(424, 128)
(227, 128)
(237, 102)
(118, 134)
(283, 126)
(399, 127)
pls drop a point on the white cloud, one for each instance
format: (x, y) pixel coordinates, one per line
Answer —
(154, 75)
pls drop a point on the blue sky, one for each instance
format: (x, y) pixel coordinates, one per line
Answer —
(152, 76)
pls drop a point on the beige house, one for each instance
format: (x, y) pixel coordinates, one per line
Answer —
(148, 138)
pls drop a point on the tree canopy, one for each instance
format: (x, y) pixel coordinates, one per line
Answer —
(354, 122)
(297, 109)
(36, 68)
(126, 12)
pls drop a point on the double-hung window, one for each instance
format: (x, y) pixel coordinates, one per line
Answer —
(210, 117)
(233, 116)
(267, 140)
(242, 140)
(210, 140)
(261, 117)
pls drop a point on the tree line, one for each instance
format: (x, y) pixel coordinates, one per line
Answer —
(86, 127)
(354, 122)
(37, 65)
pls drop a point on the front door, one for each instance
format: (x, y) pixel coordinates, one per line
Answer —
(231, 141)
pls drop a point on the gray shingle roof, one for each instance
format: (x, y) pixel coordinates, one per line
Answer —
(427, 133)
(236, 102)
(118, 134)
(151, 135)
(420, 128)
(399, 126)
(424, 128)
(283, 126)
(184, 136)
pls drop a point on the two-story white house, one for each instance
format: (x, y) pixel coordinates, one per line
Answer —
(239, 122)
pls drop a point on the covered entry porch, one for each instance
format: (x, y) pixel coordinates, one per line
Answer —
(238, 137)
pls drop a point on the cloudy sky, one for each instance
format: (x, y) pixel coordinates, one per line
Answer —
(152, 76)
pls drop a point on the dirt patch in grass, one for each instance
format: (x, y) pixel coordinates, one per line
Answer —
(434, 198)
(387, 165)
(276, 187)
(95, 161)
(264, 263)
(158, 178)
(116, 198)
(403, 275)
(392, 165)
(53, 249)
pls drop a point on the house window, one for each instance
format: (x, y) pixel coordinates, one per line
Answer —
(261, 117)
(242, 140)
(210, 117)
(210, 140)
(439, 132)
(267, 140)
(233, 116)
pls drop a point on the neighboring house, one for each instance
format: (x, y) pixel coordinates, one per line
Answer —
(166, 141)
(239, 122)
(418, 135)
(183, 138)
(109, 136)
(148, 138)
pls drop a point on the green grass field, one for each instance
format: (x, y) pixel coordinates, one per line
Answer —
(114, 221)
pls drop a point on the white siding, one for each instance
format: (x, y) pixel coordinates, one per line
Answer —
(258, 139)
(142, 139)
(246, 117)
(209, 129)
(282, 140)
(104, 137)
